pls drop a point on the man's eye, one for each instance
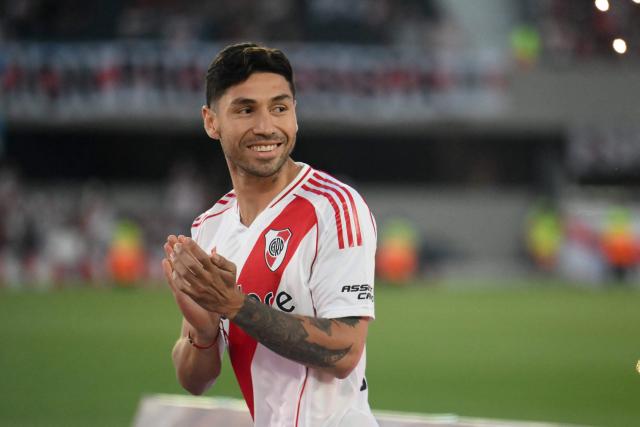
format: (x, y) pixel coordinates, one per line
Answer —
(280, 109)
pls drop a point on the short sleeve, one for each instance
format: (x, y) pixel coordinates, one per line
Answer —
(194, 234)
(342, 280)
(196, 227)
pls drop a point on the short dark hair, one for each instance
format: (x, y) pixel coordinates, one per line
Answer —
(235, 64)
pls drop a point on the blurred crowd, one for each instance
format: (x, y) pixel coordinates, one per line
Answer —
(362, 21)
(61, 234)
(563, 32)
(558, 30)
(91, 233)
(592, 244)
(58, 82)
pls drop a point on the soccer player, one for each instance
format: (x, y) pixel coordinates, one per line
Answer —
(280, 270)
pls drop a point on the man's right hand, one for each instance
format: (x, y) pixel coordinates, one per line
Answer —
(205, 323)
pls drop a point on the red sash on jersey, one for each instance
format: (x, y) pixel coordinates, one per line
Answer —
(256, 277)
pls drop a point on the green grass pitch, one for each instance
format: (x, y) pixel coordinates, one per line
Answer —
(539, 352)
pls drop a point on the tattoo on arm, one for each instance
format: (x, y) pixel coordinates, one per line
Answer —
(351, 321)
(323, 324)
(286, 335)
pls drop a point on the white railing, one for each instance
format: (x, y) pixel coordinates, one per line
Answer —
(164, 410)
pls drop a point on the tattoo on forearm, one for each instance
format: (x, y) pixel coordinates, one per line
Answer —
(323, 324)
(351, 321)
(286, 335)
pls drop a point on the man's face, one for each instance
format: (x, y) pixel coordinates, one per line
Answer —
(255, 122)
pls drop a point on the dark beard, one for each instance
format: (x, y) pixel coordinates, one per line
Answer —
(265, 169)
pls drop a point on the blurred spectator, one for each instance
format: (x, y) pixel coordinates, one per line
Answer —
(525, 42)
(543, 236)
(580, 258)
(97, 222)
(126, 257)
(64, 249)
(618, 244)
(398, 250)
(185, 197)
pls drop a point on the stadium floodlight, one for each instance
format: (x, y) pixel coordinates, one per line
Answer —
(602, 5)
(620, 46)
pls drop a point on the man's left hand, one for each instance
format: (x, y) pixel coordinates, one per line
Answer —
(209, 280)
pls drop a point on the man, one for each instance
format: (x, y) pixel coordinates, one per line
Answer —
(280, 270)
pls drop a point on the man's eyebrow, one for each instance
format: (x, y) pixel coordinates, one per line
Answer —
(249, 101)
(243, 101)
(282, 97)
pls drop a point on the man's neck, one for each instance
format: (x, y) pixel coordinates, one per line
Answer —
(255, 193)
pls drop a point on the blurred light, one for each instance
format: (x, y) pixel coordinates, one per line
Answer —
(620, 46)
(602, 5)
(636, 1)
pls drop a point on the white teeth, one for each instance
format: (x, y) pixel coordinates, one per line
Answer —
(263, 147)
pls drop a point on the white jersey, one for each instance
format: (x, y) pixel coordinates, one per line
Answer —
(311, 252)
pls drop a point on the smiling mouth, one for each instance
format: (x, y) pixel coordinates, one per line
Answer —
(264, 147)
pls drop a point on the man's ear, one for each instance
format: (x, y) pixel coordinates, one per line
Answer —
(210, 122)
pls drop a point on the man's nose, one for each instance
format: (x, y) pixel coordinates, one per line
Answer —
(263, 124)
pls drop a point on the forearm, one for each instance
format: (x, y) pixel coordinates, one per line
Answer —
(332, 345)
(196, 369)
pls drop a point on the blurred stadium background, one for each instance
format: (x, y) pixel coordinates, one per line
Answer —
(497, 142)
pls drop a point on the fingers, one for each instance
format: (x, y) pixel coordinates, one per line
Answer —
(228, 278)
(196, 251)
(176, 283)
(167, 264)
(192, 293)
(168, 249)
(168, 273)
(223, 263)
(192, 255)
(190, 269)
(182, 242)
(177, 273)
(227, 268)
(176, 245)
(195, 268)
(205, 278)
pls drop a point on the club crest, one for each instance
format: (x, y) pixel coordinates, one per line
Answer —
(275, 248)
